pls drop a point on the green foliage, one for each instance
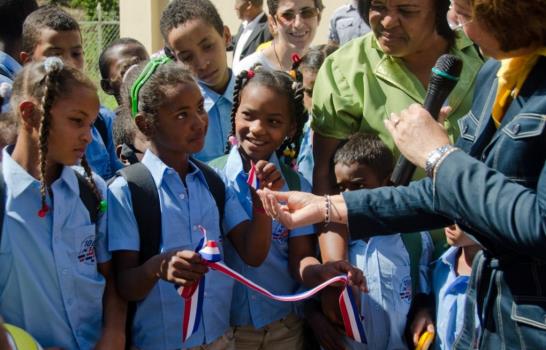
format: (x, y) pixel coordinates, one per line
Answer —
(110, 8)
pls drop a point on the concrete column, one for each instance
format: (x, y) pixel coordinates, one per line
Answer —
(139, 19)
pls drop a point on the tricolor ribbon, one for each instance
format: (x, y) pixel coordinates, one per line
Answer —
(252, 180)
(193, 295)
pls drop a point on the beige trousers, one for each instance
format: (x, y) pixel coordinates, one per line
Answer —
(284, 334)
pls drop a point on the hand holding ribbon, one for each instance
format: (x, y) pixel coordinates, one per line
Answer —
(193, 295)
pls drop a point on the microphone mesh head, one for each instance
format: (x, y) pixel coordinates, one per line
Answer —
(450, 64)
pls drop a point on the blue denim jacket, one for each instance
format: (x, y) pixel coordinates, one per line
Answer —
(496, 191)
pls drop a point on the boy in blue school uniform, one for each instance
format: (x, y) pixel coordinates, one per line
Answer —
(450, 276)
(167, 107)
(196, 37)
(365, 162)
(50, 31)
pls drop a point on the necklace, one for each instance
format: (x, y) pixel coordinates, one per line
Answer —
(276, 55)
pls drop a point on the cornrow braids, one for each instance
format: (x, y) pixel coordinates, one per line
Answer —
(283, 84)
(89, 177)
(240, 82)
(50, 92)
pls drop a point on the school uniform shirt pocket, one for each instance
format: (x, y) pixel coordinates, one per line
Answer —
(399, 306)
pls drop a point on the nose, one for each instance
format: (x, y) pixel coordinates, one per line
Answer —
(87, 135)
(298, 21)
(390, 19)
(256, 127)
(203, 62)
(200, 121)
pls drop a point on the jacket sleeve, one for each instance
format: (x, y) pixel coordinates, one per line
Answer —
(491, 205)
(389, 210)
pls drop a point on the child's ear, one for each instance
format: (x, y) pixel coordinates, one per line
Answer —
(30, 117)
(145, 125)
(106, 86)
(227, 36)
(25, 57)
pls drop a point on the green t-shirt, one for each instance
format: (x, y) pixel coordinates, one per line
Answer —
(358, 86)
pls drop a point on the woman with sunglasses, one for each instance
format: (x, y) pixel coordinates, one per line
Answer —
(493, 183)
(294, 25)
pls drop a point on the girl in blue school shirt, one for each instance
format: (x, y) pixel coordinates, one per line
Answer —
(267, 117)
(55, 278)
(167, 107)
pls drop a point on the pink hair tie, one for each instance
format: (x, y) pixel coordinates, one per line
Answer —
(250, 74)
(233, 140)
(43, 211)
(295, 58)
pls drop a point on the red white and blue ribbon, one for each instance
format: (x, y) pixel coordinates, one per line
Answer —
(252, 180)
(193, 296)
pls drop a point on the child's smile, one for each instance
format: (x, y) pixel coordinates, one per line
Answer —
(263, 121)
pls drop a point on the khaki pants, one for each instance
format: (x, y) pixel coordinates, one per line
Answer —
(225, 342)
(284, 334)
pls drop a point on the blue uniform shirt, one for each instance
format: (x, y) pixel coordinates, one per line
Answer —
(218, 108)
(9, 67)
(249, 307)
(102, 157)
(449, 290)
(49, 281)
(386, 265)
(305, 160)
(158, 319)
(346, 24)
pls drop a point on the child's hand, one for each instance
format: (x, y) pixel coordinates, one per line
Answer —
(269, 175)
(341, 267)
(184, 267)
(421, 323)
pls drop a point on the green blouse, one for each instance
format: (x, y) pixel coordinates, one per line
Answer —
(358, 86)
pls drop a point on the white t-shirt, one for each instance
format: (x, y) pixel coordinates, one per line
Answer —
(251, 60)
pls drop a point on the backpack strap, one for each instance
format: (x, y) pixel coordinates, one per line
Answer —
(146, 208)
(291, 176)
(100, 125)
(88, 197)
(414, 245)
(216, 186)
(2, 199)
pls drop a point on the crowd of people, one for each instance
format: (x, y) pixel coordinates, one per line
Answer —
(279, 165)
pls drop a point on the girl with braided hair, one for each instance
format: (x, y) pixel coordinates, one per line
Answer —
(55, 275)
(267, 116)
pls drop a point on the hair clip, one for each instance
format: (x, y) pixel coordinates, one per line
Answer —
(146, 73)
(250, 74)
(293, 74)
(43, 211)
(295, 58)
(53, 64)
(233, 140)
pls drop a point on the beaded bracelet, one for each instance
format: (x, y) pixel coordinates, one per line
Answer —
(328, 205)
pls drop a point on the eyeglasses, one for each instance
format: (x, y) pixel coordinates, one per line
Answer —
(460, 19)
(288, 17)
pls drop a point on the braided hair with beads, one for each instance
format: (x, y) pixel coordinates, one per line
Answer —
(46, 82)
(284, 84)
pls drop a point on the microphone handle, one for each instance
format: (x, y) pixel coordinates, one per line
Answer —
(404, 169)
(403, 172)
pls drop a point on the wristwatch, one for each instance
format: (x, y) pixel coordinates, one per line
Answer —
(435, 156)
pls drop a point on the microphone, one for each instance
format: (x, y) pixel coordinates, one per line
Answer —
(444, 77)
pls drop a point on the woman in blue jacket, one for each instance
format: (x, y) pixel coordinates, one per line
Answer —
(492, 182)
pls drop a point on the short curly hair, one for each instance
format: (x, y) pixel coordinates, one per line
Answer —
(515, 24)
(181, 11)
(49, 16)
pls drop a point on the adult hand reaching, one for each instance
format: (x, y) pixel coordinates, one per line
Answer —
(296, 209)
(416, 133)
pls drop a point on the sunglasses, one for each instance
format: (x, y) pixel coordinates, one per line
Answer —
(288, 17)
